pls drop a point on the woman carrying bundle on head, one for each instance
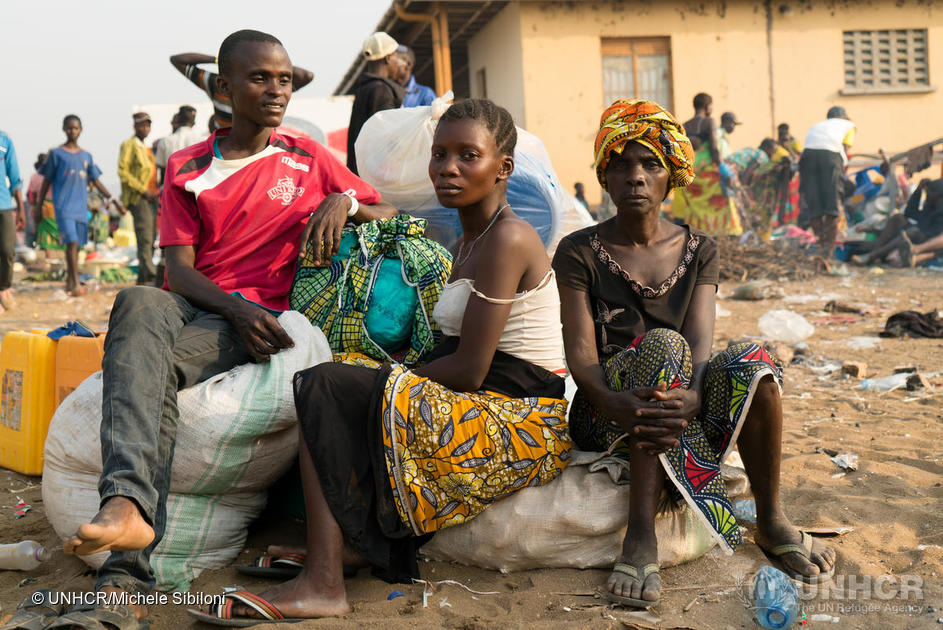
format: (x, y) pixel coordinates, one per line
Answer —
(389, 455)
(637, 295)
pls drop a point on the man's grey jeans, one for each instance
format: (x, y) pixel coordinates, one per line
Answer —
(157, 344)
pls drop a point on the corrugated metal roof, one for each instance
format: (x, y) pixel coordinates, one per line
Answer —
(466, 18)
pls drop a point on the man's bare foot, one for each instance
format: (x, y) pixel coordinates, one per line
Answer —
(118, 526)
(638, 550)
(301, 598)
(780, 531)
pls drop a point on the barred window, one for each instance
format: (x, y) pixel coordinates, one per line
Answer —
(886, 60)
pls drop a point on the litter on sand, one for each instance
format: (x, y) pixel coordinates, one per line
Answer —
(846, 461)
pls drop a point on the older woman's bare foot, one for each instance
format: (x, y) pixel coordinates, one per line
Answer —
(118, 526)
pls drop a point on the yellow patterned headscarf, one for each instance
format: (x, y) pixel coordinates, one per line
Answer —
(652, 126)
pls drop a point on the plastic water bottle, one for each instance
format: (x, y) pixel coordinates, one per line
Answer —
(777, 600)
(885, 383)
(23, 556)
(745, 510)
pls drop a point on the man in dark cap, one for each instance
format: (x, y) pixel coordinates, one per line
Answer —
(821, 168)
(138, 175)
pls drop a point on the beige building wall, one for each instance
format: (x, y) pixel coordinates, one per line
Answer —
(809, 73)
(722, 52)
(497, 50)
(554, 88)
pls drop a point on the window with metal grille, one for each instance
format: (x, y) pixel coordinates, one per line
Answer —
(886, 60)
(637, 67)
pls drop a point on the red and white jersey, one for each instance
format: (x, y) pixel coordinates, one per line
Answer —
(245, 217)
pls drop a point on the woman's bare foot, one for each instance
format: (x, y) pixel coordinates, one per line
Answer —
(780, 531)
(118, 526)
(301, 598)
(638, 550)
(352, 559)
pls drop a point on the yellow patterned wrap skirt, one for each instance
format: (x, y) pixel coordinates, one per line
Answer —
(452, 454)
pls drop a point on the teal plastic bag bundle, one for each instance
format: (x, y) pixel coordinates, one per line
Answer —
(377, 295)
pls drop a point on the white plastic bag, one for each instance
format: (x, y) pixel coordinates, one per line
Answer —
(393, 151)
(237, 434)
(785, 325)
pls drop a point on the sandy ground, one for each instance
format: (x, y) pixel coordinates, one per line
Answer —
(894, 500)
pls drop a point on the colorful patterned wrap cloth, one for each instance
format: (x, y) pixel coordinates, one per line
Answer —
(337, 298)
(652, 126)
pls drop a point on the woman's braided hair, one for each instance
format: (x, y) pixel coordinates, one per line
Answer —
(497, 119)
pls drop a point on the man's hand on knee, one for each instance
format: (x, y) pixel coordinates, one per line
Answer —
(259, 330)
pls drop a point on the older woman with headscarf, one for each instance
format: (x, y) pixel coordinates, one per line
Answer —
(637, 298)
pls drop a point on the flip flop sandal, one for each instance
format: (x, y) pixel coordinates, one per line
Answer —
(104, 617)
(221, 614)
(633, 572)
(283, 567)
(34, 613)
(804, 549)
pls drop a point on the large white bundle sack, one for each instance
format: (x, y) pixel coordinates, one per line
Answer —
(393, 151)
(576, 521)
(237, 434)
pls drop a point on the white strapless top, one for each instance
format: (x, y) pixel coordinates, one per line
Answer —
(533, 331)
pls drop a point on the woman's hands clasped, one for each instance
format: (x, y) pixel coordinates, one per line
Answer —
(654, 416)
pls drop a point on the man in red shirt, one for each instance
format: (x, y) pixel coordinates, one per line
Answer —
(236, 211)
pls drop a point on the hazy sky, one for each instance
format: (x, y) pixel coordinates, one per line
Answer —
(99, 58)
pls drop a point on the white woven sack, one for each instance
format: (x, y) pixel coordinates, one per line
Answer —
(576, 521)
(237, 434)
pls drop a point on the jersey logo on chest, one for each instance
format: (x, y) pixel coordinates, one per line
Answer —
(296, 165)
(285, 190)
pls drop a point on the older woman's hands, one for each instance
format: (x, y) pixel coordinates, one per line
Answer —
(654, 424)
(664, 416)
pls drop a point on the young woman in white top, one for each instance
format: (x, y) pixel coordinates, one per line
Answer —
(389, 455)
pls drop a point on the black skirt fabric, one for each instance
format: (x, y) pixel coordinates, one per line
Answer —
(338, 407)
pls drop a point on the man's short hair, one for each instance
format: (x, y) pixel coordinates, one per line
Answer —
(186, 115)
(702, 100)
(229, 45)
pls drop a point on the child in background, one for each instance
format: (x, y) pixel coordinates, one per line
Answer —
(69, 170)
